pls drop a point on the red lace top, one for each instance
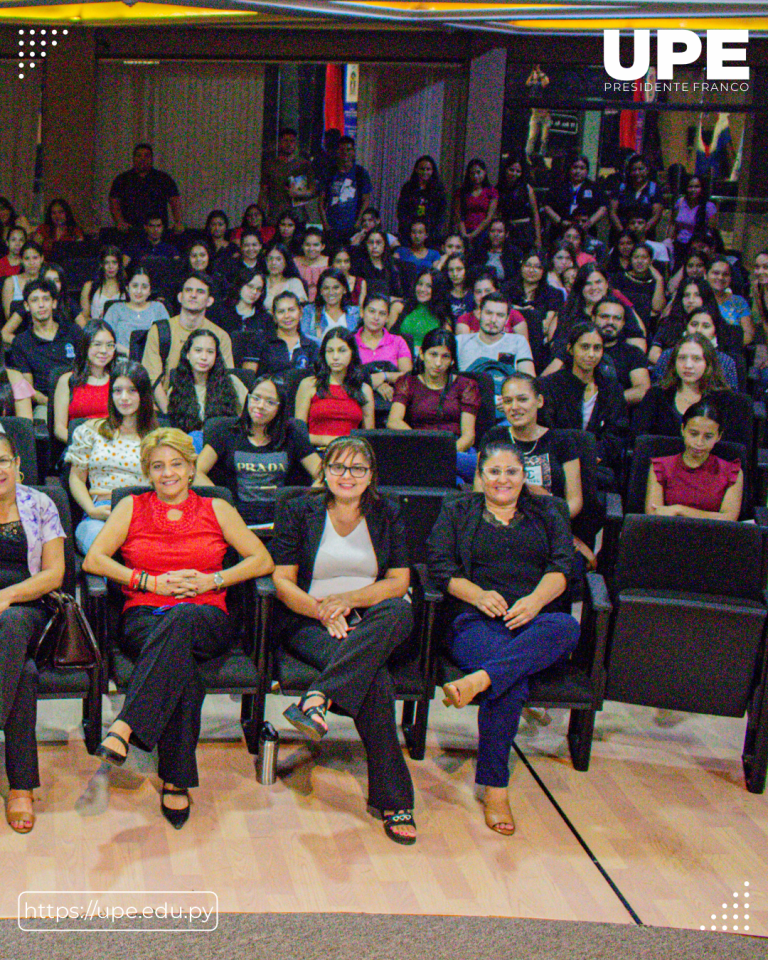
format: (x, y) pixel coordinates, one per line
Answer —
(89, 402)
(158, 545)
(335, 415)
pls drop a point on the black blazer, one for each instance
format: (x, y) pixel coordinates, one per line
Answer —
(457, 526)
(656, 415)
(564, 393)
(299, 523)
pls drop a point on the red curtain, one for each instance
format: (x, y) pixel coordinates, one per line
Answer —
(334, 97)
(628, 121)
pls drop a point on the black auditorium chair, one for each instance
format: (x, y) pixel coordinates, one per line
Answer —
(409, 666)
(58, 684)
(486, 415)
(593, 512)
(574, 683)
(234, 672)
(56, 447)
(78, 271)
(686, 625)
(246, 377)
(419, 467)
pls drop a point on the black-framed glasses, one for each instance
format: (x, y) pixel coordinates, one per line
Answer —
(357, 470)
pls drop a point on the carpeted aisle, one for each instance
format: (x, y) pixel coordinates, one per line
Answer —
(305, 936)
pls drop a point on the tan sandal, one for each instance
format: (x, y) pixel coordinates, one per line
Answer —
(498, 817)
(19, 814)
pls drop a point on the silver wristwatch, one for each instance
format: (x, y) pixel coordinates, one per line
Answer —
(218, 579)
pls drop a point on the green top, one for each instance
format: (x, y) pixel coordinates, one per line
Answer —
(418, 323)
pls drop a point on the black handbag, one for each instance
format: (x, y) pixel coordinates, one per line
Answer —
(67, 642)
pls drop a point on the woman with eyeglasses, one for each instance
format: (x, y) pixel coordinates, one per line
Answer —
(503, 556)
(256, 454)
(342, 573)
(84, 393)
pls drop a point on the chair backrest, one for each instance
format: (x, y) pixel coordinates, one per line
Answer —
(647, 448)
(166, 274)
(246, 377)
(413, 458)
(53, 381)
(739, 413)
(291, 380)
(486, 415)
(22, 432)
(690, 556)
(212, 425)
(57, 493)
(79, 271)
(592, 515)
(243, 344)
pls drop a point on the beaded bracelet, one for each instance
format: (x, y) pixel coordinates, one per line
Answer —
(135, 576)
(143, 581)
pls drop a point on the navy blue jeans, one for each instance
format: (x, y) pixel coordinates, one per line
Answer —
(509, 657)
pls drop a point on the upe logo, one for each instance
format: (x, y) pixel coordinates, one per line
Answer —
(677, 48)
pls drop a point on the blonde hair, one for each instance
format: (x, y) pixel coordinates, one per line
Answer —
(167, 437)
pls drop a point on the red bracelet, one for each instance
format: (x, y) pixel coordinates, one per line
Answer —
(133, 583)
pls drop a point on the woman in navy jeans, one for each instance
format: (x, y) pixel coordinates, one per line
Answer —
(503, 556)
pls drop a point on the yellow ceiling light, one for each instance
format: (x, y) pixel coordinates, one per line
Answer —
(582, 25)
(114, 12)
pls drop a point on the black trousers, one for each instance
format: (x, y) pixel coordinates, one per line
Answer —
(166, 692)
(353, 673)
(20, 627)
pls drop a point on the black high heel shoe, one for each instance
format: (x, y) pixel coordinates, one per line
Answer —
(176, 818)
(112, 756)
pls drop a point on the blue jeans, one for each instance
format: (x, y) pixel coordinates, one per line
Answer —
(509, 657)
(88, 529)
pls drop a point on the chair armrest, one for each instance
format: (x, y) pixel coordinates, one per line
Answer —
(265, 587)
(93, 588)
(431, 593)
(614, 507)
(761, 517)
(599, 598)
(595, 623)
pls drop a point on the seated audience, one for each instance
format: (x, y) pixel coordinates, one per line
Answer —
(32, 566)
(424, 310)
(225, 251)
(332, 306)
(173, 544)
(577, 238)
(696, 483)
(621, 361)
(58, 226)
(313, 262)
(194, 299)
(563, 258)
(254, 218)
(83, 394)
(422, 197)
(108, 285)
(282, 276)
(10, 263)
(693, 374)
(244, 309)
(460, 297)
(13, 286)
(503, 556)
(759, 296)
(138, 312)
(733, 308)
(436, 397)
(385, 356)
(642, 284)
(637, 227)
(691, 296)
(694, 268)
(581, 397)
(453, 245)
(286, 347)
(10, 219)
(47, 345)
(537, 302)
(16, 393)
(336, 400)
(342, 260)
(371, 220)
(496, 253)
(200, 259)
(342, 574)
(377, 266)
(260, 452)
(416, 255)
(201, 388)
(104, 453)
(710, 325)
(151, 244)
(485, 282)
(290, 232)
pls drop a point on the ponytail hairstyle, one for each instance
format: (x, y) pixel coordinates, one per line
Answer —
(439, 338)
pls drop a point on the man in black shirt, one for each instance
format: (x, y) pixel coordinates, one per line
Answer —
(621, 361)
(142, 191)
(37, 352)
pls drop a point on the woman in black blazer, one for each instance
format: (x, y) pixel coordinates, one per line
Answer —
(342, 573)
(579, 397)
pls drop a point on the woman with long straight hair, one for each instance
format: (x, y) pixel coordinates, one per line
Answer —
(109, 284)
(475, 202)
(84, 393)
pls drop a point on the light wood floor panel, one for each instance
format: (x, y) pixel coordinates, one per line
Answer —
(664, 808)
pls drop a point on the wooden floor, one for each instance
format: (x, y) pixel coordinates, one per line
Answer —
(663, 808)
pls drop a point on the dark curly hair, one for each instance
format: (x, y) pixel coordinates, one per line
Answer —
(220, 396)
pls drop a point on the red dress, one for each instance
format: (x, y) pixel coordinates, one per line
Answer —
(702, 488)
(89, 402)
(158, 545)
(335, 415)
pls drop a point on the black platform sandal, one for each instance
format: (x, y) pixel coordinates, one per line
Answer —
(176, 817)
(395, 818)
(304, 720)
(112, 756)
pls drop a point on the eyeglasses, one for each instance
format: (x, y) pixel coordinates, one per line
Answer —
(105, 346)
(6, 463)
(496, 474)
(267, 401)
(357, 470)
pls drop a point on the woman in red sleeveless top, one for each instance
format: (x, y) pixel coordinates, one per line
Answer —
(83, 394)
(335, 401)
(175, 613)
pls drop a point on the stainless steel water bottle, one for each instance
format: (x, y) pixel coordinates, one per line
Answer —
(266, 766)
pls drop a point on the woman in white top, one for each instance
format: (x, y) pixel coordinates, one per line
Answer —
(282, 276)
(108, 285)
(138, 312)
(105, 453)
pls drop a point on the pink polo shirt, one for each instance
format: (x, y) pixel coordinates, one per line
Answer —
(391, 348)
